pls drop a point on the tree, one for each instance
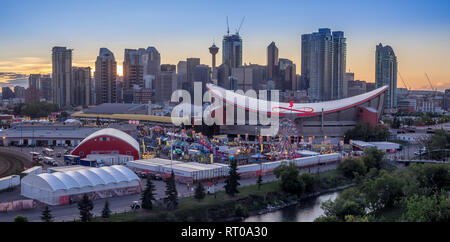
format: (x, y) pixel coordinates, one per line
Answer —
(427, 209)
(148, 195)
(259, 181)
(199, 191)
(46, 215)
(20, 219)
(327, 219)
(352, 167)
(171, 199)
(373, 158)
(85, 205)
(434, 177)
(290, 181)
(309, 182)
(106, 212)
(232, 181)
(386, 191)
(348, 203)
(364, 132)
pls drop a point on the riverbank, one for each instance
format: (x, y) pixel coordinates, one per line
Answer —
(222, 208)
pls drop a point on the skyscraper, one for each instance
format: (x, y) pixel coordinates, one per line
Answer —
(386, 73)
(82, 82)
(191, 63)
(133, 69)
(287, 80)
(232, 51)
(7, 93)
(272, 64)
(201, 73)
(45, 87)
(324, 64)
(105, 77)
(165, 84)
(34, 80)
(61, 76)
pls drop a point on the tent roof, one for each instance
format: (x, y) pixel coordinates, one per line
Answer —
(81, 178)
(114, 133)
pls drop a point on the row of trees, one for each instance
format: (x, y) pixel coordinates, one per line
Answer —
(418, 194)
(36, 109)
(364, 132)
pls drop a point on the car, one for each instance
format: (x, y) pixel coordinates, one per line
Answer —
(58, 155)
(158, 177)
(135, 205)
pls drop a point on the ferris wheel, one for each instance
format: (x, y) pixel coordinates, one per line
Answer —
(288, 137)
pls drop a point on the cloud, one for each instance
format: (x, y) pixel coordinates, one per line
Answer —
(11, 79)
(26, 65)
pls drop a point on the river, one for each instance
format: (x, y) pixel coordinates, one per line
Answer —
(306, 211)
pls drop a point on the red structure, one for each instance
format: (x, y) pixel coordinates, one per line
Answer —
(368, 115)
(108, 141)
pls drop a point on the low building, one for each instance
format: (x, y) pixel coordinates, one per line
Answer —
(108, 141)
(65, 187)
(45, 134)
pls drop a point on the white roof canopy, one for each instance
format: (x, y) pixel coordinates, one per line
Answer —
(81, 178)
(259, 105)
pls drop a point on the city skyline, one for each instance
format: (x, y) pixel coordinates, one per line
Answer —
(414, 30)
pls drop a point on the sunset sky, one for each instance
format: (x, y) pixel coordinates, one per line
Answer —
(418, 31)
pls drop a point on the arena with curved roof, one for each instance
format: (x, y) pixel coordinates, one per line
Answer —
(331, 118)
(62, 187)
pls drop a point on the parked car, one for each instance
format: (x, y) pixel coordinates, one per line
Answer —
(58, 155)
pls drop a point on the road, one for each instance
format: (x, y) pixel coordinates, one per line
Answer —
(122, 204)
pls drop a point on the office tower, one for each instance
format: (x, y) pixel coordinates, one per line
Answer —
(249, 77)
(152, 61)
(223, 74)
(169, 68)
(324, 64)
(45, 88)
(191, 63)
(7, 93)
(272, 63)
(133, 69)
(386, 73)
(370, 86)
(348, 77)
(82, 82)
(182, 67)
(213, 50)
(165, 84)
(105, 77)
(62, 76)
(232, 51)
(32, 95)
(287, 75)
(34, 80)
(356, 88)
(201, 73)
(19, 92)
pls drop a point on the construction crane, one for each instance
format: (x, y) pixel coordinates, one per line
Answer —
(432, 87)
(240, 26)
(404, 83)
(429, 81)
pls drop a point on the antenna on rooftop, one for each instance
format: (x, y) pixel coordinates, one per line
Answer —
(228, 27)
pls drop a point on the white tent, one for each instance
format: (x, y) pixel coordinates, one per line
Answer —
(56, 188)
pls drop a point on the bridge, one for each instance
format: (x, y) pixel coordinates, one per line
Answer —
(422, 161)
